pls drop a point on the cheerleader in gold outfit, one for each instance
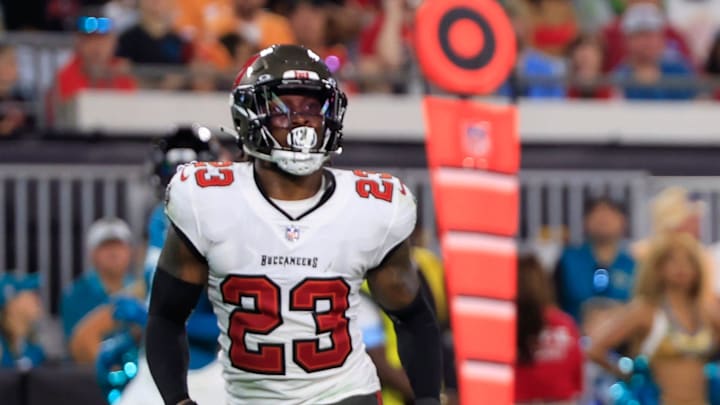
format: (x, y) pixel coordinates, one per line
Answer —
(671, 321)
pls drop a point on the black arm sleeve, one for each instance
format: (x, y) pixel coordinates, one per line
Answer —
(419, 346)
(448, 356)
(171, 302)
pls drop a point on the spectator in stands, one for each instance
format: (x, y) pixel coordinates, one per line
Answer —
(14, 108)
(539, 74)
(712, 64)
(645, 63)
(153, 40)
(553, 25)
(92, 306)
(206, 21)
(600, 267)
(674, 210)
(669, 322)
(345, 22)
(203, 22)
(310, 21)
(549, 361)
(593, 14)
(384, 45)
(94, 65)
(239, 49)
(20, 310)
(548, 245)
(698, 21)
(674, 45)
(259, 26)
(585, 55)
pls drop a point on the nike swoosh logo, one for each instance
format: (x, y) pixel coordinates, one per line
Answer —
(183, 177)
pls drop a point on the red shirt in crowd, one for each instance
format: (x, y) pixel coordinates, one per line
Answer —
(556, 38)
(615, 44)
(72, 79)
(556, 372)
(369, 36)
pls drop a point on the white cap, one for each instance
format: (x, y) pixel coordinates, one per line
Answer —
(642, 17)
(107, 229)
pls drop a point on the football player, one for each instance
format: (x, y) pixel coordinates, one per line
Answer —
(205, 373)
(284, 244)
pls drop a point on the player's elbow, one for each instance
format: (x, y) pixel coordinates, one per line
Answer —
(395, 293)
(417, 312)
(400, 298)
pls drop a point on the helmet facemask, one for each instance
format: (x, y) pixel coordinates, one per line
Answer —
(172, 151)
(257, 109)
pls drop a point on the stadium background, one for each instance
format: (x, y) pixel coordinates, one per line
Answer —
(73, 158)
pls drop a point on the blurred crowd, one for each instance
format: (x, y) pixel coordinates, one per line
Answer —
(596, 49)
(632, 49)
(613, 321)
(199, 45)
(355, 37)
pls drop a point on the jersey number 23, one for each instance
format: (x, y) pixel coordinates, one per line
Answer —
(265, 317)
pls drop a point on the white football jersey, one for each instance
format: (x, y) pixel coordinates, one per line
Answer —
(286, 290)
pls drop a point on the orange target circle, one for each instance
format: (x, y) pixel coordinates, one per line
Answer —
(465, 46)
(466, 38)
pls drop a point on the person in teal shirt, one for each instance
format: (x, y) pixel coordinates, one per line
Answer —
(84, 295)
(109, 281)
(600, 267)
(20, 310)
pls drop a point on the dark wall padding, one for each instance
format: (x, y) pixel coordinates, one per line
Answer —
(63, 385)
(659, 160)
(11, 387)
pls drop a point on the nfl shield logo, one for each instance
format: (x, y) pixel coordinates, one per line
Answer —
(477, 138)
(292, 233)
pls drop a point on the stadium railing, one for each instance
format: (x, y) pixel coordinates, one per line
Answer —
(49, 208)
